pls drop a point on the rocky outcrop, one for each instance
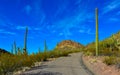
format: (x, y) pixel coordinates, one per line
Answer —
(68, 45)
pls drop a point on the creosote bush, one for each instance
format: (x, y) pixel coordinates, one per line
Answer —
(88, 53)
(8, 63)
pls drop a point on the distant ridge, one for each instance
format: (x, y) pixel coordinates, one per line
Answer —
(68, 45)
(4, 51)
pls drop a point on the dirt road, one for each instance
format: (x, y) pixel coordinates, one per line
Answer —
(70, 65)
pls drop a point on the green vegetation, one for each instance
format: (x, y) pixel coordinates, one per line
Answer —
(109, 48)
(110, 60)
(10, 63)
(45, 51)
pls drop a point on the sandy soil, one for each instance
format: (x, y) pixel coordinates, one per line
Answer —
(96, 65)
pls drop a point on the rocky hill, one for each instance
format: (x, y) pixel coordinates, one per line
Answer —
(68, 45)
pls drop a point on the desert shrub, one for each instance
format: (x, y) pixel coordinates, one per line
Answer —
(105, 52)
(44, 56)
(11, 63)
(27, 61)
(88, 53)
(55, 53)
(65, 53)
(75, 50)
(110, 60)
(118, 63)
(8, 63)
(59, 53)
(37, 57)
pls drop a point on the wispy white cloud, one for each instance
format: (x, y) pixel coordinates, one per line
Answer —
(36, 28)
(82, 31)
(23, 27)
(114, 4)
(113, 19)
(27, 9)
(5, 22)
(11, 33)
(78, 1)
(53, 31)
(1, 30)
(39, 14)
(89, 32)
(20, 27)
(61, 9)
(75, 21)
(118, 13)
(2, 23)
(60, 34)
(6, 32)
(30, 37)
(42, 19)
(86, 31)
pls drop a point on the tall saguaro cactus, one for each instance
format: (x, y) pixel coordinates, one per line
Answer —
(45, 46)
(97, 37)
(25, 41)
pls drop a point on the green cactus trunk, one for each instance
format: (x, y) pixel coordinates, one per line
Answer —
(14, 48)
(97, 38)
(25, 41)
(45, 46)
(45, 51)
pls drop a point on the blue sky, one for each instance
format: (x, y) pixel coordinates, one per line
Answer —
(56, 20)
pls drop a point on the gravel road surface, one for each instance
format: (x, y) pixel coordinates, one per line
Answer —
(70, 65)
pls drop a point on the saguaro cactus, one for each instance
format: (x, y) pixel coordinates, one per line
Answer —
(45, 51)
(45, 46)
(25, 41)
(14, 47)
(97, 37)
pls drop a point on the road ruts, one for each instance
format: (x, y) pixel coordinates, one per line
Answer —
(70, 65)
